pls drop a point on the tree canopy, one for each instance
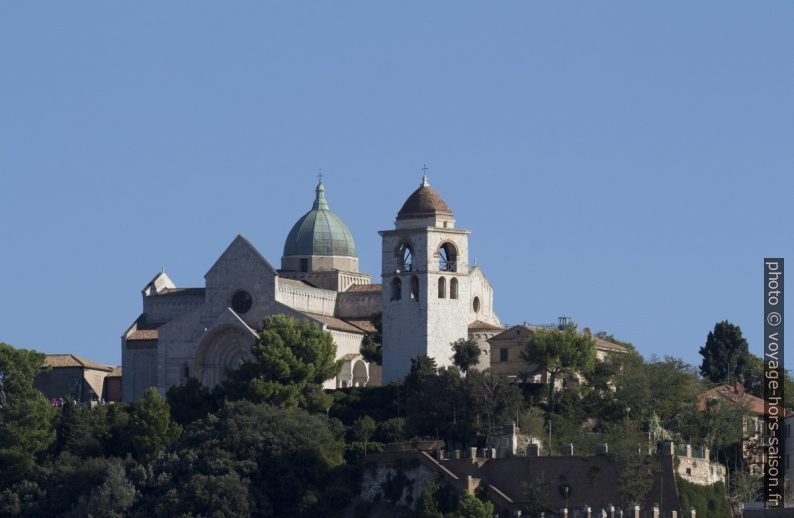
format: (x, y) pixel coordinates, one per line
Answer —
(466, 354)
(291, 360)
(561, 353)
(725, 354)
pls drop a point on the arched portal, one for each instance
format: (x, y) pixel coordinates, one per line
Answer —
(223, 348)
(360, 374)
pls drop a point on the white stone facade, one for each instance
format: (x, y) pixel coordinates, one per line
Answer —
(202, 332)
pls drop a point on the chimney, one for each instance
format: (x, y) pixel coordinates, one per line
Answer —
(687, 450)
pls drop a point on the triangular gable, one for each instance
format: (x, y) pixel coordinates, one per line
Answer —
(158, 283)
(241, 243)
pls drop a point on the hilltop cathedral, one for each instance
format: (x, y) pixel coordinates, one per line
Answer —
(430, 296)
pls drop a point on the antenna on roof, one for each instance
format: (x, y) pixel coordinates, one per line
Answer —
(162, 269)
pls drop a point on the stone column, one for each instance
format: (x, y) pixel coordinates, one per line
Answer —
(692, 513)
(564, 512)
(635, 512)
(673, 514)
(655, 512)
(456, 454)
(473, 453)
(588, 512)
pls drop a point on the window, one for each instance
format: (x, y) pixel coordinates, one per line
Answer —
(396, 289)
(241, 302)
(185, 371)
(476, 304)
(689, 471)
(406, 255)
(447, 258)
(442, 288)
(503, 354)
(453, 288)
(304, 265)
(415, 288)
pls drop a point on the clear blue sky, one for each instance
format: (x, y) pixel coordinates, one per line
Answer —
(625, 163)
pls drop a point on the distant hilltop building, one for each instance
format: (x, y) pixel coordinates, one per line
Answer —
(430, 297)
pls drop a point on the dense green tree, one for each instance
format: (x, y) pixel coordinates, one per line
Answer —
(391, 430)
(190, 402)
(26, 417)
(725, 354)
(469, 506)
(150, 425)
(427, 507)
(560, 353)
(363, 429)
(247, 458)
(80, 429)
(291, 361)
(466, 354)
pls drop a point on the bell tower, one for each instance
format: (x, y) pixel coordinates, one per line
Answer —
(425, 271)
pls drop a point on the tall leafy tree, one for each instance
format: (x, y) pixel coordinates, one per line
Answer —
(466, 354)
(151, 426)
(725, 354)
(26, 417)
(291, 361)
(560, 353)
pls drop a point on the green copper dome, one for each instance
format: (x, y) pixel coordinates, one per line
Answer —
(320, 232)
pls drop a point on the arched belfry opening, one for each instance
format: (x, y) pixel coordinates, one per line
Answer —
(442, 288)
(405, 255)
(415, 288)
(448, 258)
(453, 288)
(396, 289)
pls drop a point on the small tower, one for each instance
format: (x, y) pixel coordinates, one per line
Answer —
(425, 283)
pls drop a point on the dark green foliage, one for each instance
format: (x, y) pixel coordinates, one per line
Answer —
(561, 353)
(70, 486)
(190, 402)
(247, 458)
(469, 506)
(637, 472)
(391, 430)
(380, 403)
(466, 354)
(26, 417)
(427, 507)
(442, 403)
(150, 425)
(706, 500)
(725, 354)
(291, 361)
(371, 348)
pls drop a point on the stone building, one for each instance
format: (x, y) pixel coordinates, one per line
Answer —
(506, 348)
(431, 294)
(431, 298)
(65, 375)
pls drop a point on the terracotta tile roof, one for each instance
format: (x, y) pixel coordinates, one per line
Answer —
(363, 324)
(141, 329)
(608, 346)
(479, 324)
(422, 203)
(365, 287)
(182, 291)
(144, 334)
(735, 395)
(72, 360)
(334, 323)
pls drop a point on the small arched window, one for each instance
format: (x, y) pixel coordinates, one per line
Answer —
(453, 288)
(442, 288)
(405, 256)
(396, 289)
(448, 258)
(415, 288)
(185, 371)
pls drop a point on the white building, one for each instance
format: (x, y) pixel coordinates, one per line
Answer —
(432, 298)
